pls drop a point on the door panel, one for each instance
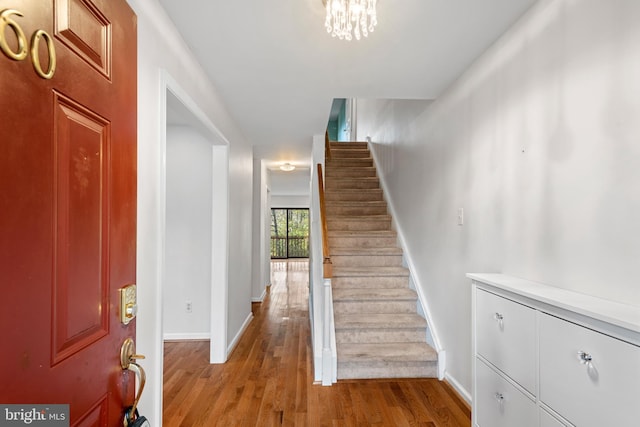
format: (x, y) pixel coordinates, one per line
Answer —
(278, 233)
(297, 233)
(86, 31)
(68, 208)
(95, 415)
(80, 288)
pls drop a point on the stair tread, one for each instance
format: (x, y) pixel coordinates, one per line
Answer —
(357, 251)
(338, 159)
(360, 168)
(374, 217)
(350, 162)
(362, 233)
(353, 178)
(398, 352)
(352, 190)
(356, 203)
(370, 271)
(379, 321)
(346, 173)
(347, 149)
(374, 303)
(374, 294)
(370, 168)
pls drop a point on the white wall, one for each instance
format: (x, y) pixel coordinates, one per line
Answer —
(290, 189)
(292, 183)
(160, 47)
(290, 201)
(538, 142)
(188, 238)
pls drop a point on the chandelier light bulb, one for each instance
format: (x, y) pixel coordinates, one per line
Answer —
(346, 19)
(287, 167)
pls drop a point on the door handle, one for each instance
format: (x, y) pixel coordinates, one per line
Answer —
(132, 414)
(128, 362)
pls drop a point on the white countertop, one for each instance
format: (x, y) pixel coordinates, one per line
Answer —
(622, 315)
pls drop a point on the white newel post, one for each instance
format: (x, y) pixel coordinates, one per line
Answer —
(326, 335)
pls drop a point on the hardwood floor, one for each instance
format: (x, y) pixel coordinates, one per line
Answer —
(268, 379)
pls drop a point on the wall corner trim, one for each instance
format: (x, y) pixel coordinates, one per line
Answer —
(236, 339)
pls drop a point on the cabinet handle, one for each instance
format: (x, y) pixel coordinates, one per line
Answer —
(499, 397)
(498, 317)
(585, 358)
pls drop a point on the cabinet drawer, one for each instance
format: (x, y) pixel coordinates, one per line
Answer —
(602, 392)
(505, 336)
(500, 404)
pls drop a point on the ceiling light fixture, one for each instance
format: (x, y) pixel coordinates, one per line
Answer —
(287, 167)
(345, 16)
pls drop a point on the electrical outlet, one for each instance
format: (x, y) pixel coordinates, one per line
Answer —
(189, 307)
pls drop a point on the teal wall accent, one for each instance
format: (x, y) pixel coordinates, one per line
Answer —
(337, 124)
(342, 123)
(332, 128)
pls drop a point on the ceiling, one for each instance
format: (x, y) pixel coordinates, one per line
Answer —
(278, 70)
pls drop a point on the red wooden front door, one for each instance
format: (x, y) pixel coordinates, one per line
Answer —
(67, 204)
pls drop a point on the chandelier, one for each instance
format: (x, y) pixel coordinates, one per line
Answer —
(345, 17)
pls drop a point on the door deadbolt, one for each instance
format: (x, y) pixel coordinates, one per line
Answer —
(128, 303)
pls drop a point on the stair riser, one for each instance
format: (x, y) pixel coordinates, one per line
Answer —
(355, 210)
(344, 225)
(352, 183)
(361, 242)
(370, 282)
(362, 196)
(360, 172)
(379, 307)
(387, 370)
(349, 154)
(349, 163)
(355, 145)
(378, 336)
(366, 261)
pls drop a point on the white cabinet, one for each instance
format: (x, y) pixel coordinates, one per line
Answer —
(547, 420)
(548, 357)
(594, 378)
(501, 404)
(506, 337)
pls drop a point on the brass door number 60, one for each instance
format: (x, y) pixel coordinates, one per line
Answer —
(6, 20)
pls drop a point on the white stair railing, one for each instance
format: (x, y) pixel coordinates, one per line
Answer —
(320, 297)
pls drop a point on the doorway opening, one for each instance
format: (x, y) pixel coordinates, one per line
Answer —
(193, 272)
(186, 308)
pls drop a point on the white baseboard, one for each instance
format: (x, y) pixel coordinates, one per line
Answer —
(458, 387)
(236, 339)
(188, 336)
(442, 364)
(261, 297)
(419, 288)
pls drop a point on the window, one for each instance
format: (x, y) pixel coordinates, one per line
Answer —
(289, 233)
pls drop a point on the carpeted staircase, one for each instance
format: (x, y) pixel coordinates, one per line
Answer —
(379, 333)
